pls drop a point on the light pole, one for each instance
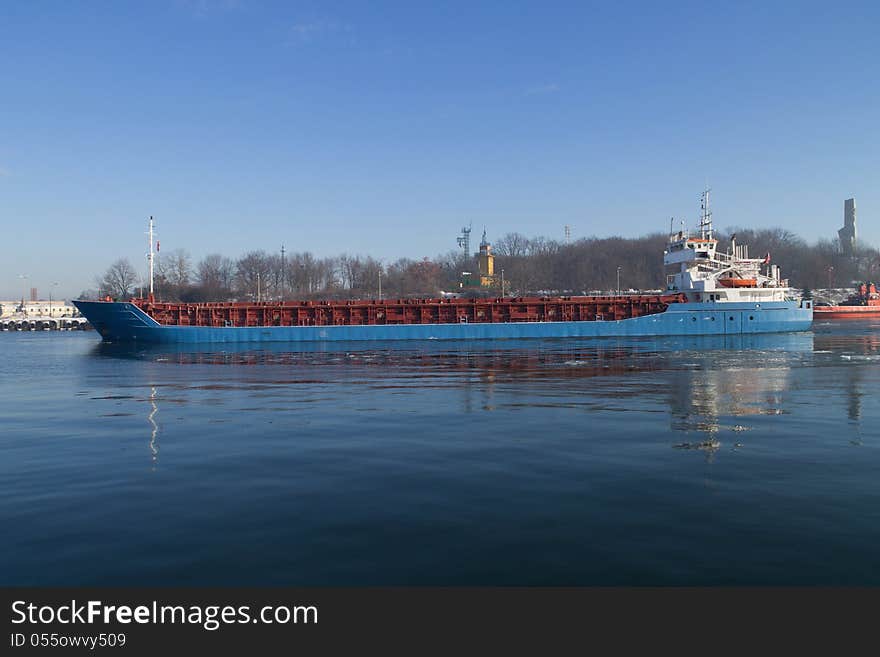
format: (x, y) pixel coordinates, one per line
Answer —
(380, 282)
(283, 272)
(618, 281)
(258, 287)
(50, 298)
(502, 282)
(23, 278)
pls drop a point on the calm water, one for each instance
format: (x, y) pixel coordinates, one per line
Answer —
(695, 461)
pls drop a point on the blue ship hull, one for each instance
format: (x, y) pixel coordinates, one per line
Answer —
(125, 322)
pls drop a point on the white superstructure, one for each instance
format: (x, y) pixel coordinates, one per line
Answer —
(705, 274)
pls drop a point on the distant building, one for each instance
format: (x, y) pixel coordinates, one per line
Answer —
(56, 308)
(485, 275)
(847, 234)
(486, 263)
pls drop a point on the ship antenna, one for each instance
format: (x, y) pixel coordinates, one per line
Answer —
(705, 216)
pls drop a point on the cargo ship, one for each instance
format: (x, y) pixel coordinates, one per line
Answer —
(708, 292)
(862, 304)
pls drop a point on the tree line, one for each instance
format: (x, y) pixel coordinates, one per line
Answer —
(258, 275)
(531, 265)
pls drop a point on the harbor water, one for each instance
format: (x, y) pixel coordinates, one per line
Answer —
(678, 461)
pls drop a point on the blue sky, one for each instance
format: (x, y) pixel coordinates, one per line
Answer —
(383, 127)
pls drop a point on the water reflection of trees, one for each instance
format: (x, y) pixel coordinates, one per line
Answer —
(856, 351)
(708, 386)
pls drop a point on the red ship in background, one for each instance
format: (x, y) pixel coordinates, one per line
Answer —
(863, 304)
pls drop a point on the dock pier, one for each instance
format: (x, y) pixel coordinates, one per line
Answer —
(45, 324)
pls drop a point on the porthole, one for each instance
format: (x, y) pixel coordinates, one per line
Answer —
(731, 318)
(693, 319)
(712, 318)
(751, 317)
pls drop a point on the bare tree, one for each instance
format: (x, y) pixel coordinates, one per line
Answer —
(253, 275)
(177, 267)
(173, 275)
(118, 281)
(216, 273)
(512, 244)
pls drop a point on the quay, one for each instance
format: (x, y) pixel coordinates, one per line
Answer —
(37, 315)
(45, 324)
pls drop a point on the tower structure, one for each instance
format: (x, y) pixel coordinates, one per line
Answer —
(464, 241)
(848, 235)
(486, 263)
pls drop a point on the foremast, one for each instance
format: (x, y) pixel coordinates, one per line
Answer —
(151, 257)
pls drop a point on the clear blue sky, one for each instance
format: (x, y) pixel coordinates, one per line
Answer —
(383, 127)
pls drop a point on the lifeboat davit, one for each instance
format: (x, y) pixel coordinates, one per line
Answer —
(738, 282)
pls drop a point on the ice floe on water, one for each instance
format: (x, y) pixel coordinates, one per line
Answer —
(705, 444)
